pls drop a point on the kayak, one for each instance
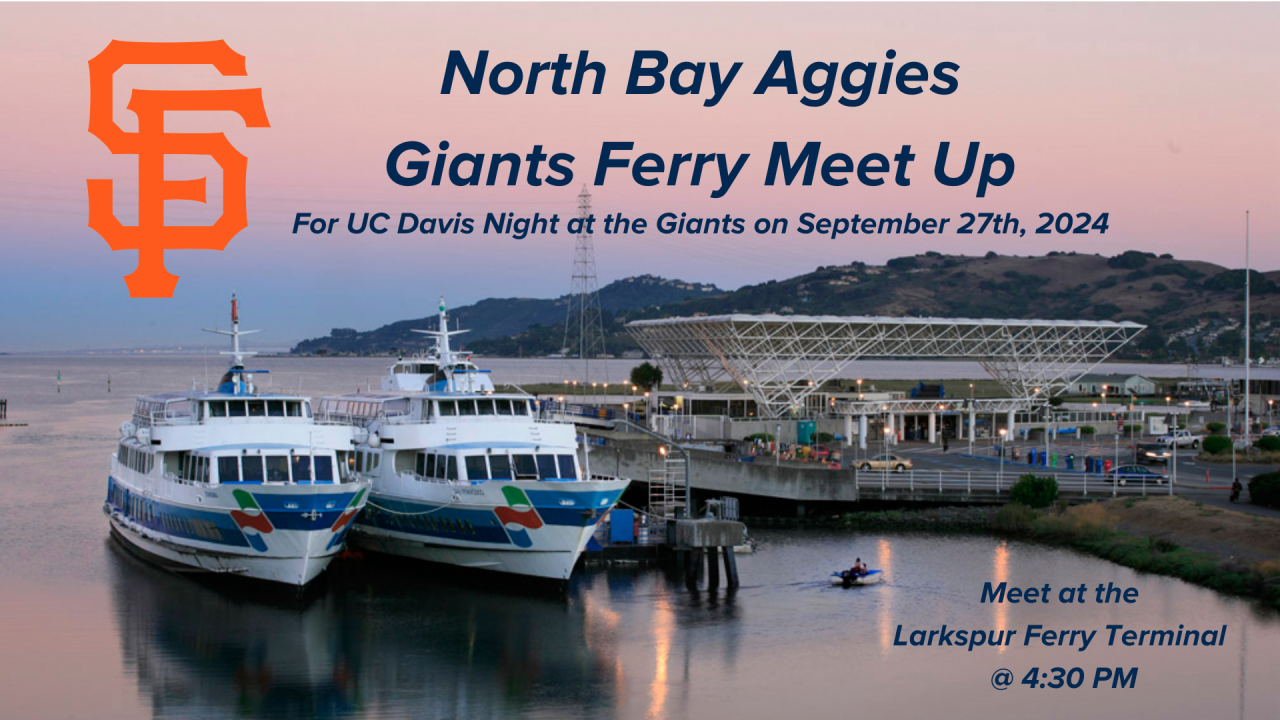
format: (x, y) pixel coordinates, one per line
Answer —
(871, 578)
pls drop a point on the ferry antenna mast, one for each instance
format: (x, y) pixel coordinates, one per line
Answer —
(584, 321)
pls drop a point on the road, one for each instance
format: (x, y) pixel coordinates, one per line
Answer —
(1205, 482)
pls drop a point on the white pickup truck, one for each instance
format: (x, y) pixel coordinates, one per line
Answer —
(1180, 438)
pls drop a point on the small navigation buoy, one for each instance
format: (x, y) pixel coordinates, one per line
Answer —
(58, 383)
(108, 383)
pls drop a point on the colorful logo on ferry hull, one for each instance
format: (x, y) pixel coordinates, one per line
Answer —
(519, 518)
(344, 520)
(252, 520)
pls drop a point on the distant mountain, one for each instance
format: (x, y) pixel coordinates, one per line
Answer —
(506, 317)
(1192, 309)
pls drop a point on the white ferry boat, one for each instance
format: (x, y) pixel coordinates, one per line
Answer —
(464, 475)
(232, 481)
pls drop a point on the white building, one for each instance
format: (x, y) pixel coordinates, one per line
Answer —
(1095, 384)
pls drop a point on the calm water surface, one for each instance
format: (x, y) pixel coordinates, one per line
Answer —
(89, 632)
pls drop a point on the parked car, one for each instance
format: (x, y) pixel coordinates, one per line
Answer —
(886, 462)
(1153, 453)
(1180, 438)
(1139, 474)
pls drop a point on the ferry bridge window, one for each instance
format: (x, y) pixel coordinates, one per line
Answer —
(451, 472)
(252, 467)
(180, 409)
(466, 407)
(526, 469)
(217, 409)
(568, 467)
(476, 468)
(301, 468)
(500, 467)
(547, 467)
(275, 408)
(293, 408)
(228, 469)
(426, 409)
(257, 408)
(323, 468)
(396, 408)
(504, 406)
(448, 408)
(430, 468)
(235, 408)
(420, 464)
(277, 468)
(520, 407)
(485, 406)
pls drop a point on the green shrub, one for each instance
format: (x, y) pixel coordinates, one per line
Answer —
(1134, 429)
(1013, 518)
(1215, 427)
(1034, 491)
(824, 437)
(767, 437)
(1268, 443)
(1216, 444)
(1264, 489)
(646, 376)
(1088, 429)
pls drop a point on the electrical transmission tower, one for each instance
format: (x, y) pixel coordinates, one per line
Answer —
(584, 322)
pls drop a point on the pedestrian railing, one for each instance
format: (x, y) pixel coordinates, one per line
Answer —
(952, 481)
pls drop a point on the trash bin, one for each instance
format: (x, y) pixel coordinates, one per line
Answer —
(1053, 460)
(1106, 466)
(1071, 461)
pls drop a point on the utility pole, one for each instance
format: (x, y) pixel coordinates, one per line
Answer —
(584, 321)
(1247, 333)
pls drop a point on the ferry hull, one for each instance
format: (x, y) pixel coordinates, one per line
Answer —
(289, 535)
(288, 570)
(536, 540)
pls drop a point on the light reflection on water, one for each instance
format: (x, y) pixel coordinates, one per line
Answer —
(88, 631)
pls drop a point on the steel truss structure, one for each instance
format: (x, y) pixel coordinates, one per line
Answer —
(978, 406)
(781, 360)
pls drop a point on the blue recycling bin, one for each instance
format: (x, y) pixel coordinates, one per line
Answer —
(1071, 462)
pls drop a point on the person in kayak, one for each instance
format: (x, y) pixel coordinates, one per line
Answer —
(859, 569)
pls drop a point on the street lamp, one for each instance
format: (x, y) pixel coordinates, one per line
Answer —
(1000, 472)
(884, 469)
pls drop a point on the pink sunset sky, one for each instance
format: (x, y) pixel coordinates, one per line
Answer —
(1163, 115)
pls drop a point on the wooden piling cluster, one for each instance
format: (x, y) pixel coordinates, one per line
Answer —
(696, 569)
(703, 542)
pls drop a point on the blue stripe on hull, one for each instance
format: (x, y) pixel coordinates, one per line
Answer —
(433, 521)
(176, 520)
(313, 512)
(552, 507)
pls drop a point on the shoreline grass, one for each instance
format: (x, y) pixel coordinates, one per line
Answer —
(1096, 529)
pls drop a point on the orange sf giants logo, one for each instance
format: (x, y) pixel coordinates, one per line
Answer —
(151, 237)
